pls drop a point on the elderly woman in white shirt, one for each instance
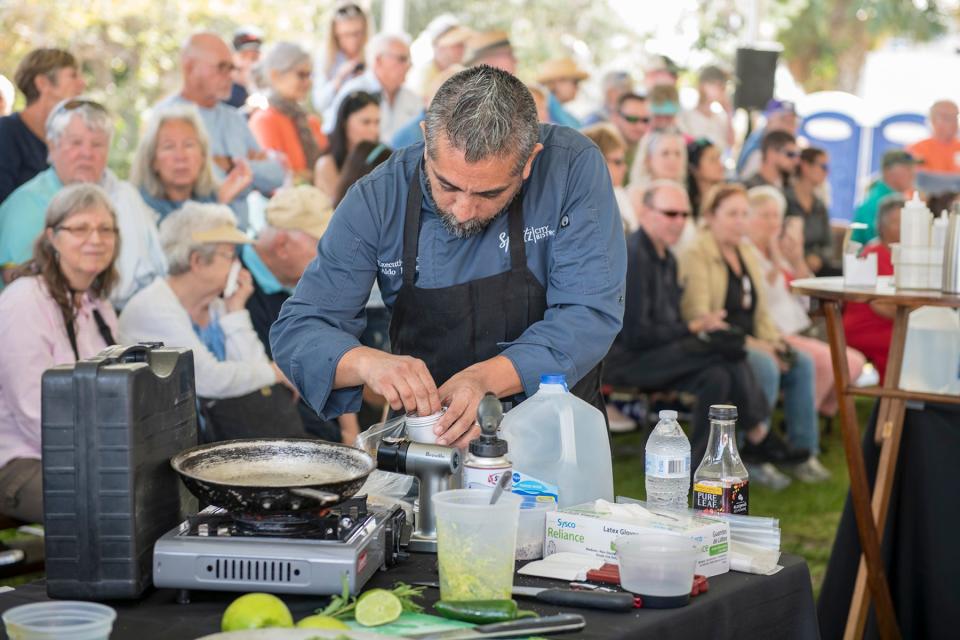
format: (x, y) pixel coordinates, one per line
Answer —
(781, 257)
(185, 309)
(54, 312)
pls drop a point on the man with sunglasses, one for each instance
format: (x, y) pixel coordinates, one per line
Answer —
(656, 350)
(497, 246)
(207, 68)
(632, 119)
(388, 61)
(780, 156)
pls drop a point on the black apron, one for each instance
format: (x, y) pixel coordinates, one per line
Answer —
(452, 328)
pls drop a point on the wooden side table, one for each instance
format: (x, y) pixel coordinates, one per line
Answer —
(870, 505)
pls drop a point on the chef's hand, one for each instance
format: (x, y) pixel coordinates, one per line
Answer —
(403, 381)
(461, 395)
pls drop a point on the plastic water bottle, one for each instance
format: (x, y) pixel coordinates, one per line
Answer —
(668, 464)
(559, 446)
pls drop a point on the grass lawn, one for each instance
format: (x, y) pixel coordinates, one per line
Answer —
(808, 513)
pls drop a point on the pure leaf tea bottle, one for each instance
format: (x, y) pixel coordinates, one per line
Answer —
(721, 482)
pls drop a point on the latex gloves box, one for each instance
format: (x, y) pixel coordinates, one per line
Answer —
(591, 529)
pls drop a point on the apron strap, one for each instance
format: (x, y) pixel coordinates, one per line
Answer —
(411, 228)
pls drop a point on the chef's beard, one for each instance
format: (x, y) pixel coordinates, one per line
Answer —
(459, 229)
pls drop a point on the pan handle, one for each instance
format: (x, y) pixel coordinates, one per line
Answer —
(323, 497)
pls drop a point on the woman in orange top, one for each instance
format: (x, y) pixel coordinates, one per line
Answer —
(284, 125)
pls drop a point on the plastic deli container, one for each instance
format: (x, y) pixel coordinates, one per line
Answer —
(420, 428)
(658, 567)
(530, 531)
(475, 544)
(60, 620)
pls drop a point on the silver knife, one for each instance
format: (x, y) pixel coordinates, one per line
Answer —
(523, 627)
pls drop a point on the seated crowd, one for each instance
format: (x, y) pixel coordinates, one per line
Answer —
(177, 255)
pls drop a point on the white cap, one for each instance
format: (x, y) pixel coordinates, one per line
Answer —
(668, 414)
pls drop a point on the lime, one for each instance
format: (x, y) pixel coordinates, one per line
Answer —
(256, 611)
(376, 607)
(321, 622)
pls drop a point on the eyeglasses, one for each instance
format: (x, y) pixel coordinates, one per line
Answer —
(825, 166)
(85, 231)
(635, 119)
(304, 75)
(673, 213)
(224, 67)
(399, 57)
(226, 254)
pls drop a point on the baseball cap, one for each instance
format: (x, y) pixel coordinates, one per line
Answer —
(301, 208)
(897, 156)
(779, 106)
(247, 37)
(227, 232)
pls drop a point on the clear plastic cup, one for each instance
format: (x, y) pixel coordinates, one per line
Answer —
(657, 565)
(59, 620)
(532, 526)
(420, 428)
(476, 543)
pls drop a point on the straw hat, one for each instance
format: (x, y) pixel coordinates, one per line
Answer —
(484, 43)
(456, 34)
(223, 233)
(560, 69)
(301, 208)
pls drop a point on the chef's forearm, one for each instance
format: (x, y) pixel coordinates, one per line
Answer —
(498, 375)
(351, 367)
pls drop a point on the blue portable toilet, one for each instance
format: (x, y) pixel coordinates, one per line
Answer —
(839, 135)
(883, 141)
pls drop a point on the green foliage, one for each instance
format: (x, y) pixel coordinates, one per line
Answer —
(825, 41)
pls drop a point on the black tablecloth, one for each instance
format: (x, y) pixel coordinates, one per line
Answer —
(919, 543)
(738, 606)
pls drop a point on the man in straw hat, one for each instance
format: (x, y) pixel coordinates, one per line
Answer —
(491, 48)
(562, 77)
(496, 245)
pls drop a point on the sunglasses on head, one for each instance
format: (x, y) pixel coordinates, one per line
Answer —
(76, 103)
(635, 119)
(349, 11)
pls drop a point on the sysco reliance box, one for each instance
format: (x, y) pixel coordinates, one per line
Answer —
(591, 529)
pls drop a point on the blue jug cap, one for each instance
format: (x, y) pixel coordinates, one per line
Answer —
(554, 378)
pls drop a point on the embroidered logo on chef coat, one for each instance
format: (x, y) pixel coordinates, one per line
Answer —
(390, 268)
(530, 234)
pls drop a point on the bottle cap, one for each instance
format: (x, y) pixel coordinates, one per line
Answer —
(488, 446)
(553, 378)
(668, 414)
(722, 412)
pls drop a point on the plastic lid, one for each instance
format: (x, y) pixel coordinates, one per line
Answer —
(488, 447)
(668, 414)
(553, 378)
(722, 412)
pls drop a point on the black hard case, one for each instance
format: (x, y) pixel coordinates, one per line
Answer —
(110, 425)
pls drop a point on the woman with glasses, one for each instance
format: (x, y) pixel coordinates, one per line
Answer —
(803, 201)
(720, 272)
(193, 307)
(173, 164)
(55, 311)
(342, 56)
(781, 258)
(662, 155)
(614, 151)
(358, 120)
(284, 125)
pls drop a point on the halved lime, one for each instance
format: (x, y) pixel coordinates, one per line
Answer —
(376, 607)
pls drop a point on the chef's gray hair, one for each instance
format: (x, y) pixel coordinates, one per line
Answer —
(483, 112)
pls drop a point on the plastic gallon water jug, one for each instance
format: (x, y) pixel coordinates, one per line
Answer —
(559, 446)
(931, 357)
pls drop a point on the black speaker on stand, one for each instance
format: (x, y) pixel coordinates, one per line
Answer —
(755, 72)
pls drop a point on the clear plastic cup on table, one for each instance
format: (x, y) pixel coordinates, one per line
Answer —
(476, 542)
(59, 620)
(531, 530)
(657, 566)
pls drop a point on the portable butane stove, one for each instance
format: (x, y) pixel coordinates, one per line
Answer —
(308, 554)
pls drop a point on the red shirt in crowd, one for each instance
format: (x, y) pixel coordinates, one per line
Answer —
(867, 331)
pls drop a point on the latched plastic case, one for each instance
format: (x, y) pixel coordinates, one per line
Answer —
(110, 425)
